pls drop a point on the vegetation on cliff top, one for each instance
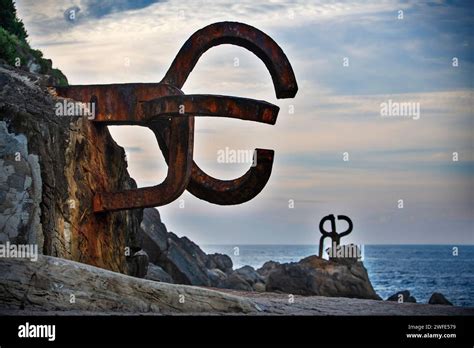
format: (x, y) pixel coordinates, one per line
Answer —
(15, 49)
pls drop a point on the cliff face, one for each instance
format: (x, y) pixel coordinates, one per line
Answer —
(50, 167)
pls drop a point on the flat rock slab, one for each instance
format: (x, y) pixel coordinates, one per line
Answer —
(59, 285)
(45, 287)
(276, 303)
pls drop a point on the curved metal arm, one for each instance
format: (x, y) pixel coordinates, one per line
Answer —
(179, 174)
(239, 34)
(240, 190)
(237, 191)
(349, 222)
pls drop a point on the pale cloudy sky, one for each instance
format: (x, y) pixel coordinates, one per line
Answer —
(336, 110)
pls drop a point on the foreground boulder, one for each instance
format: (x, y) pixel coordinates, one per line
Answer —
(316, 276)
(52, 284)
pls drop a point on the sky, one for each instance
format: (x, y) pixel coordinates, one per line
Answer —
(335, 153)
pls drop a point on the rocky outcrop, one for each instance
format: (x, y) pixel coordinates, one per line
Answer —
(153, 235)
(158, 274)
(402, 296)
(50, 168)
(316, 276)
(267, 268)
(219, 261)
(251, 277)
(181, 258)
(439, 299)
(53, 284)
(138, 264)
(186, 263)
(235, 281)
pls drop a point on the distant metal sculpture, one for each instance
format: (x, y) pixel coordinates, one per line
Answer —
(165, 109)
(335, 237)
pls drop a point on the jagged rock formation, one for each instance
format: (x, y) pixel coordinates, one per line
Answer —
(50, 167)
(186, 263)
(316, 276)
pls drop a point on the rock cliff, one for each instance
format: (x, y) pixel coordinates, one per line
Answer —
(50, 167)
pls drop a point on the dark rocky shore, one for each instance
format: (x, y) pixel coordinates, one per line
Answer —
(128, 262)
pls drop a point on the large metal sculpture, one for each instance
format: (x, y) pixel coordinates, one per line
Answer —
(169, 113)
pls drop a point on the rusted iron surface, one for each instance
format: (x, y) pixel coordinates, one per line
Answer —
(169, 113)
(176, 181)
(237, 191)
(211, 105)
(118, 103)
(239, 34)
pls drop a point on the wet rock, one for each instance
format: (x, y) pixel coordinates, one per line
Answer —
(220, 261)
(158, 274)
(216, 276)
(259, 287)
(267, 267)
(138, 264)
(250, 275)
(184, 262)
(402, 296)
(439, 299)
(235, 281)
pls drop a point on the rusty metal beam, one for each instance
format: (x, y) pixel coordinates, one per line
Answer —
(210, 105)
(118, 103)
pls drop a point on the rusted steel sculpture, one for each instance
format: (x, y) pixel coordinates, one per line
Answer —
(334, 235)
(165, 109)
